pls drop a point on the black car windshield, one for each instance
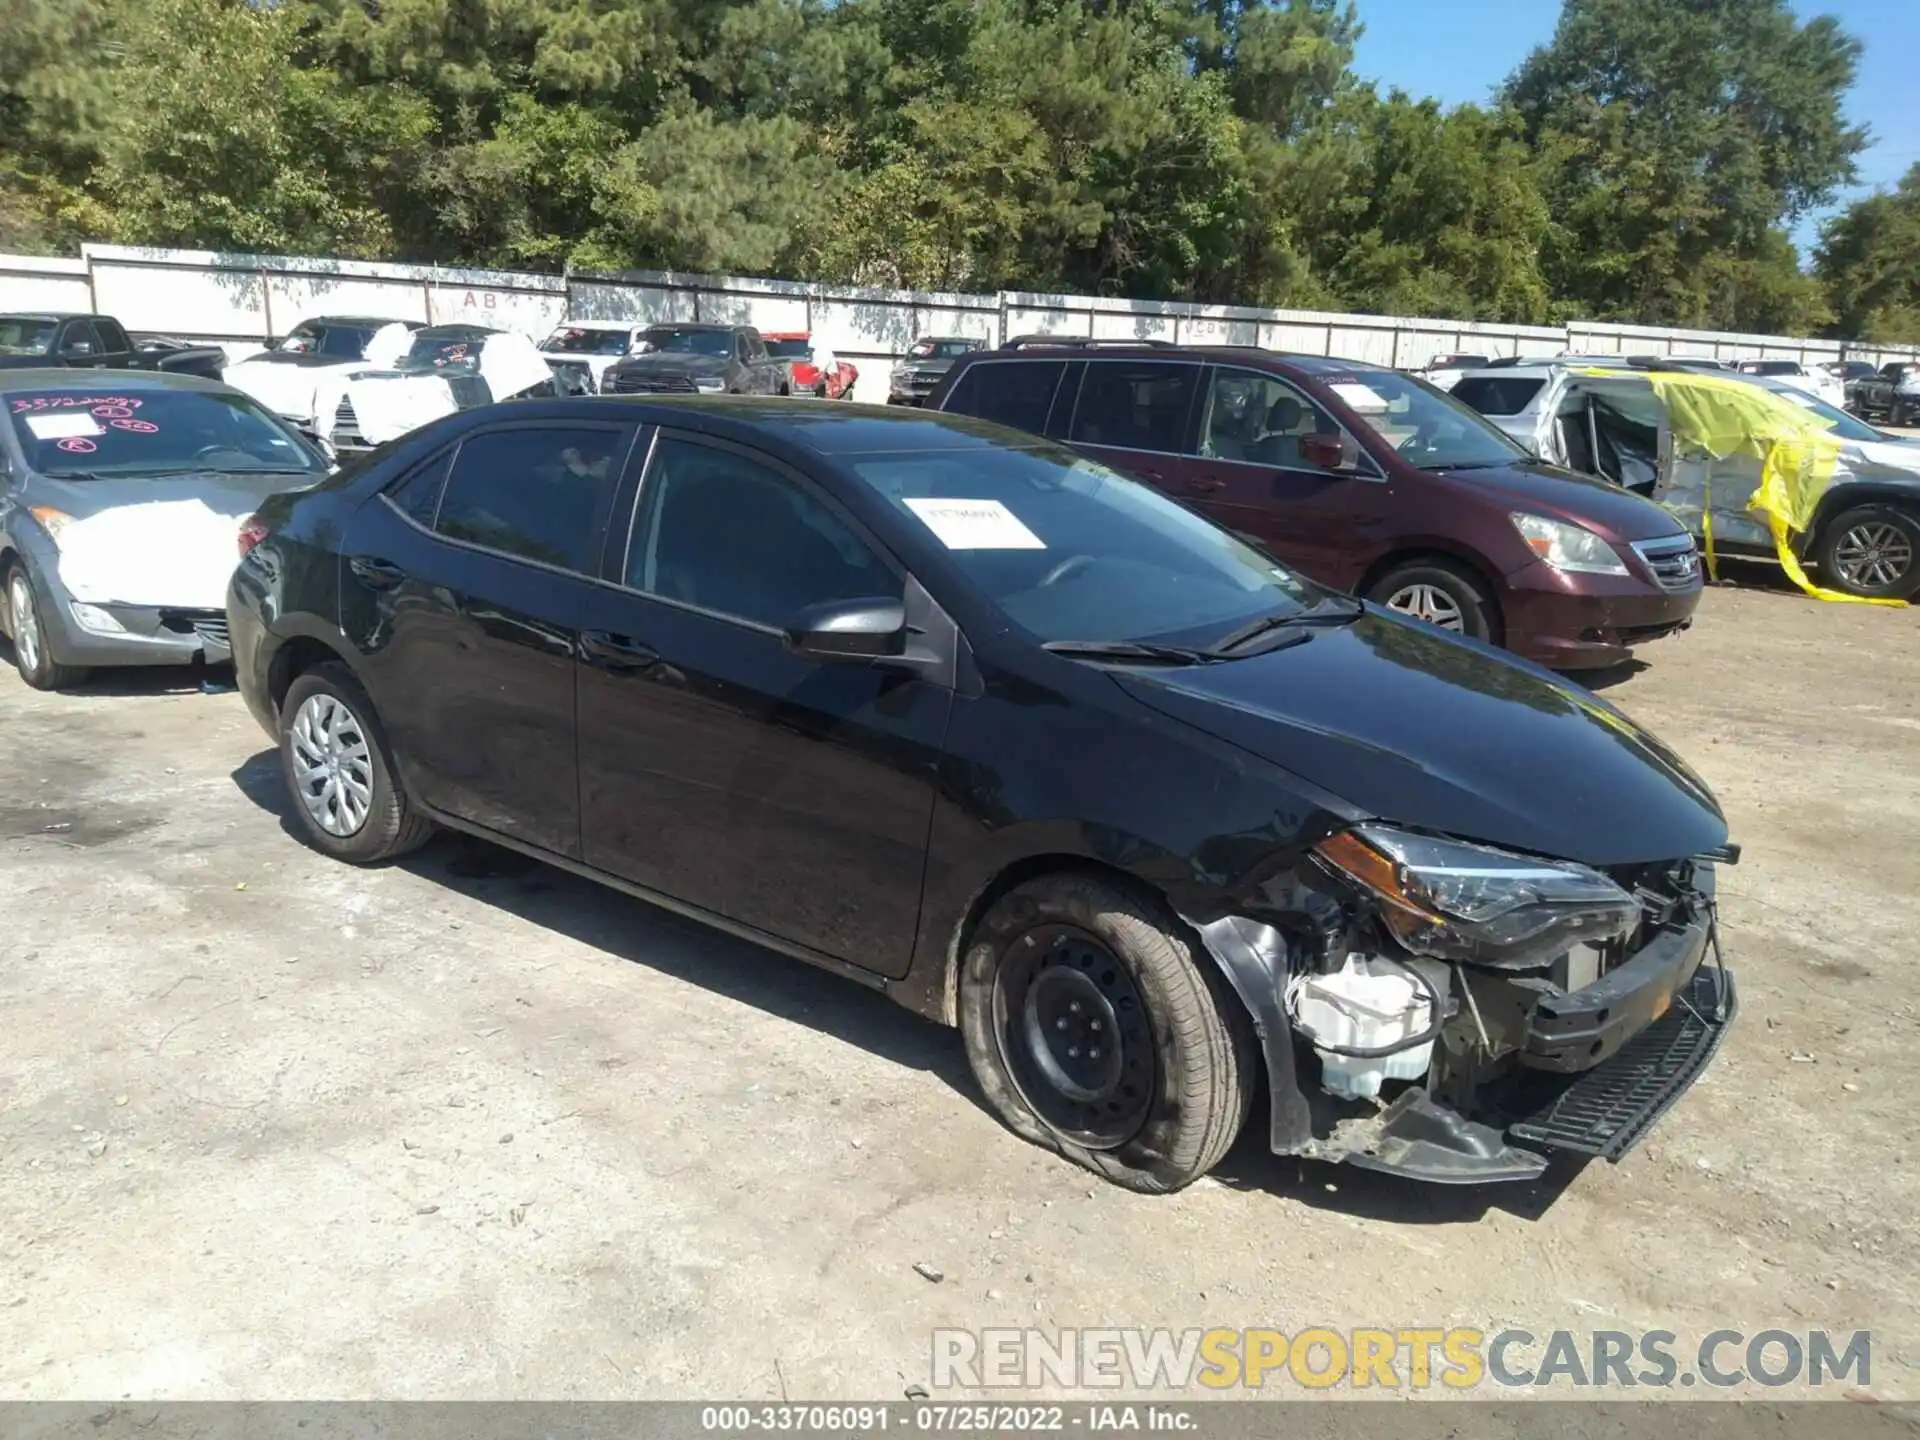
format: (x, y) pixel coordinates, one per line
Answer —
(343, 342)
(1430, 429)
(25, 335)
(1770, 367)
(443, 352)
(796, 348)
(673, 341)
(941, 349)
(89, 432)
(574, 340)
(1071, 551)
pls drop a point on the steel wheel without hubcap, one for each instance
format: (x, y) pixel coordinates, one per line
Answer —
(26, 622)
(333, 771)
(1073, 1031)
(1873, 554)
(1429, 603)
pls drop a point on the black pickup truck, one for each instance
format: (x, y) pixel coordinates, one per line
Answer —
(1892, 395)
(699, 360)
(34, 341)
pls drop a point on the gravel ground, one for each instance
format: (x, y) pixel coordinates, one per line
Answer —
(468, 1127)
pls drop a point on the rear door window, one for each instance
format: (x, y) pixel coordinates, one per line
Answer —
(541, 493)
(1008, 392)
(1135, 405)
(1497, 395)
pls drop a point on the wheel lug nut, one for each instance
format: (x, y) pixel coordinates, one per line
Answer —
(1073, 1052)
(1094, 1053)
(1074, 1006)
(1094, 1025)
(1061, 1023)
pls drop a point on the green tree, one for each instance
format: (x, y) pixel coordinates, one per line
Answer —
(1869, 261)
(1674, 139)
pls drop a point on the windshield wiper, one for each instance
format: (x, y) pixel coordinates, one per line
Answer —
(1136, 650)
(1334, 610)
(1472, 464)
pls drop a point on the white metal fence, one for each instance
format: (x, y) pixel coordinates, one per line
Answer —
(241, 301)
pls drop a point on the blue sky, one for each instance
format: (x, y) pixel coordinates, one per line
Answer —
(1462, 49)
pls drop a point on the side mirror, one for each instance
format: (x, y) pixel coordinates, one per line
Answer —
(1329, 452)
(78, 347)
(874, 629)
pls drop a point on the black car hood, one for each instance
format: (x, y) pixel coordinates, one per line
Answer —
(673, 363)
(1411, 726)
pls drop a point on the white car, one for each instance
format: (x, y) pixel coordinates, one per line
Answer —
(287, 377)
(580, 351)
(1815, 380)
(446, 369)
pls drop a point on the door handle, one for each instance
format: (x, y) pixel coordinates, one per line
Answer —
(1206, 486)
(607, 651)
(376, 574)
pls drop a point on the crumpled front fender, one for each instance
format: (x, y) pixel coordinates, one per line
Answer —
(1253, 957)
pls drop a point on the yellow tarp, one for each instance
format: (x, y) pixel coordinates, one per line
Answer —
(1796, 450)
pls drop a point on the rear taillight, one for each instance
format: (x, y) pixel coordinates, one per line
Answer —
(252, 531)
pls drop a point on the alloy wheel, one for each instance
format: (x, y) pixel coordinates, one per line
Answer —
(1074, 1031)
(26, 622)
(1429, 603)
(1873, 554)
(333, 765)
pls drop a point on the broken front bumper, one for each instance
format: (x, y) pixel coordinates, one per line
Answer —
(1598, 1068)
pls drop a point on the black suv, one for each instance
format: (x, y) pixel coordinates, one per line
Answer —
(1023, 744)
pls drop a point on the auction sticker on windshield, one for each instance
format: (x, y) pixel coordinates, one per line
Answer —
(62, 426)
(974, 524)
(1360, 397)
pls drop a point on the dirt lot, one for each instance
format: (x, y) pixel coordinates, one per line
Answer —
(468, 1127)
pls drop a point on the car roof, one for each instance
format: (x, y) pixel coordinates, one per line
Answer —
(63, 378)
(693, 325)
(455, 332)
(832, 432)
(1318, 367)
(360, 322)
(600, 324)
(786, 335)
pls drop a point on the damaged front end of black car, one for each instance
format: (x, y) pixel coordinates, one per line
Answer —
(1455, 1013)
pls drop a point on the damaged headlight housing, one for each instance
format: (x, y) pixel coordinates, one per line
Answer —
(1456, 901)
(709, 384)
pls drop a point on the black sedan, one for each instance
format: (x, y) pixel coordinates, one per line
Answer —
(1023, 744)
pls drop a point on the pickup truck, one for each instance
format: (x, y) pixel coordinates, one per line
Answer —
(699, 360)
(1892, 395)
(36, 341)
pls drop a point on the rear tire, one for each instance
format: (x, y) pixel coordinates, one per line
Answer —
(1872, 551)
(1063, 965)
(28, 630)
(1443, 594)
(340, 773)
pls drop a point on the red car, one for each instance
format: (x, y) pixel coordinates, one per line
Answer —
(1365, 479)
(815, 369)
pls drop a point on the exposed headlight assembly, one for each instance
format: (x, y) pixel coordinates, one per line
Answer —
(1571, 549)
(709, 384)
(1455, 901)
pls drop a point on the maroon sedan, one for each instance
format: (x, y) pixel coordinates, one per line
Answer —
(1363, 478)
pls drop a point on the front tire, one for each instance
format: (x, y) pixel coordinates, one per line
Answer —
(25, 624)
(1097, 1032)
(1872, 551)
(1442, 594)
(340, 773)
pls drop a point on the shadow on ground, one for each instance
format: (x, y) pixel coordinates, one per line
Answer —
(124, 681)
(643, 934)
